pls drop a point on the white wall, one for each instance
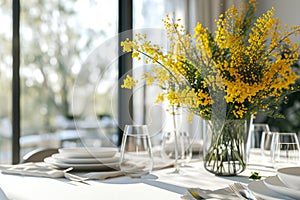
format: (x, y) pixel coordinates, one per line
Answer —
(286, 10)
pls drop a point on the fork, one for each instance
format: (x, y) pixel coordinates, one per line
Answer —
(75, 178)
(242, 192)
(239, 185)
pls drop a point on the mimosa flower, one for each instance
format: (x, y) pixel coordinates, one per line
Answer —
(247, 60)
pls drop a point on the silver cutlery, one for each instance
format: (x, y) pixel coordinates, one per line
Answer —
(242, 191)
(195, 194)
(199, 194)
(76, 178)
(73, 177)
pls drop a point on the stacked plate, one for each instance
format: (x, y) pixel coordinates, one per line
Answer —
(100, 159)
(285, 185)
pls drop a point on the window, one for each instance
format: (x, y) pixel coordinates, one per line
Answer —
(57, 39)
(145, 110)
(63, 76)
(5, 81)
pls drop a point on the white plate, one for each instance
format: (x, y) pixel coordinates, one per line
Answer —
(61, 158)
(290, 176)
(275, 184)
(100, 167)
(261, 190)
(103, 152)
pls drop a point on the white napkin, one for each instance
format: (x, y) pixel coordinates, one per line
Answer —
(32, 169)
(93, 175)
(223, 193)
(41, 169)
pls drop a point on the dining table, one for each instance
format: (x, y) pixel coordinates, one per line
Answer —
(160, 184)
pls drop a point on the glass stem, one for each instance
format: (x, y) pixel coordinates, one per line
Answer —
(176, 139)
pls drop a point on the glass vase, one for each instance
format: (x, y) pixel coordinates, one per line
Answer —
(224, 147)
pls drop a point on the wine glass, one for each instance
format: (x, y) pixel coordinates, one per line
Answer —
(265, 145)
(254, 142)
(285, 150)
(177, 146)
(136, 152)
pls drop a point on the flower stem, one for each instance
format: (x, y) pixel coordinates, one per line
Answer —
(225, 153)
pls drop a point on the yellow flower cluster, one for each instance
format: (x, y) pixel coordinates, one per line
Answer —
(248, 59)
(129, 82)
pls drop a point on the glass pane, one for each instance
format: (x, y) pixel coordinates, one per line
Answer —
(144, 21)
(58, 38)
(145, 110)
(5, 81)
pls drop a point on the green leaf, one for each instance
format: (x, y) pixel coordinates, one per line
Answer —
(254, 176)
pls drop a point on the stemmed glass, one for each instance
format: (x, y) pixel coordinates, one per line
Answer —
(285, 150)
(136, 152)
(265, 145)
(254, 141)
(176, 144)
(183, 148)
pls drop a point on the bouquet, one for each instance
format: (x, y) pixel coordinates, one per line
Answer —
(242, 68)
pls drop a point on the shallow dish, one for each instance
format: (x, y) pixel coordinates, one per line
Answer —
(275, 184)
(83, 167)
(259, 189)
(290, 176)
(61, 158)
(103, 152)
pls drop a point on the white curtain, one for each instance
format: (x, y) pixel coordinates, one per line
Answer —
(203, 11)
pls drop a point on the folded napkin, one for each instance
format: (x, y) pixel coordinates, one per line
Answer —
(223, 193)
(41, 169)
(92, 175)
(33, 169)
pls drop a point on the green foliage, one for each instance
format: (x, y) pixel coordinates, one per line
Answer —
(254, 176)
(52, 42)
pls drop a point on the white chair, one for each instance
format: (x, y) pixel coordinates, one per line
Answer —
(38, 155)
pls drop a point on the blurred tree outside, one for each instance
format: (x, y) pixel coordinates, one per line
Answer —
(55, 41)
(5, 79)
(52, 43)
(5, 59)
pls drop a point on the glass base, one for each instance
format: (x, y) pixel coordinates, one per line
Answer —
(176, 170)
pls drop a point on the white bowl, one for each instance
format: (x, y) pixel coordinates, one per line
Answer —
(290, 176)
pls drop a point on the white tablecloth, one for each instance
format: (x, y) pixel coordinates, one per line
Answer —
(160, 185)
